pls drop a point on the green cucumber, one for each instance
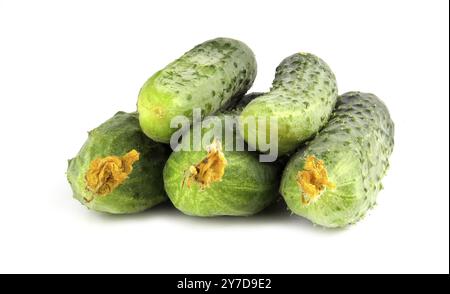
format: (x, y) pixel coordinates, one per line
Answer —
(208, 77)
(119, 170)
(335, 179)
(301, 99)
(240, 184)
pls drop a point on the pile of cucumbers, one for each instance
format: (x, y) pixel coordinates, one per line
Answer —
(332, 150)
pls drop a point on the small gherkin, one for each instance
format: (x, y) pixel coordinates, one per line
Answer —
(334, 180)
(119, 169)
(210, 76)
(301, 99)
(219, 179)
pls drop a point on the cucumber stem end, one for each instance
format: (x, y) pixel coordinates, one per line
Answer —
(107, 173)
(313, 180)
(210, 169)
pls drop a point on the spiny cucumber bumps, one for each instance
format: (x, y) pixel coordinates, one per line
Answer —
(219, 180)
(208, 77)
(118, 170)
(334, 180)
(302, 97)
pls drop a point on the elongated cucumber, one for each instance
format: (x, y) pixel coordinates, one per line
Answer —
(302, 98)
(335, 179)
(206, 77)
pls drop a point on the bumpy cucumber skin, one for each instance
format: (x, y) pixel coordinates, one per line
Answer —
(246, 188)
(355, 147)
(144, 187)
(207, 77)
(302, 97)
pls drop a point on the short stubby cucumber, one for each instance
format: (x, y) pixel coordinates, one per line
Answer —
(219, 180)
(334, 180)
(119, 170)
(207, 77)
(301, 100)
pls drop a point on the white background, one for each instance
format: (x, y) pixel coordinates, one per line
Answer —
(66, 66)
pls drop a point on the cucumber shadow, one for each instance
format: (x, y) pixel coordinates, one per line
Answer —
(276, 214)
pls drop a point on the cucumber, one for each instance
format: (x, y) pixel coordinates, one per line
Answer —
(234, 184)
(301, 99)
(119, 170)
(207, 77)
(335, 179)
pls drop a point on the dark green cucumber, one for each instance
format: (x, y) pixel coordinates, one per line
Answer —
(354, 149)
(301, 99)
(119, 187)
(206, 77)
